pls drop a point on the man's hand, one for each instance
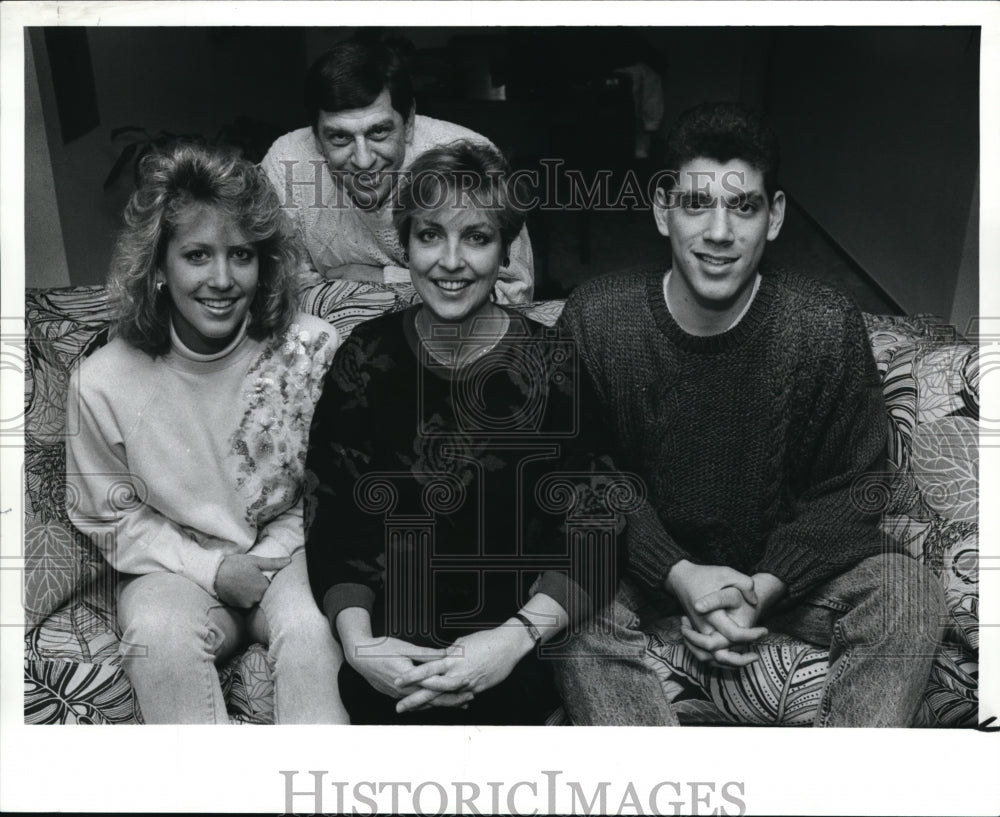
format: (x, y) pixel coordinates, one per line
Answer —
(241, 582)
(358, 272)
(721, 607)
(689, 582)
(730, 620)
(474, 663)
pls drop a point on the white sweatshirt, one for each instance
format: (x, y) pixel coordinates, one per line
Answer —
(180, 460)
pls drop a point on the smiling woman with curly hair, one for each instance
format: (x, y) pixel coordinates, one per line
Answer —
(200, 407)
(170, 183)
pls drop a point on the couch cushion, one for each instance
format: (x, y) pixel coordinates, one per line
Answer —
(62, 325)
(67, 318)
(345, 304)
(952, 696)
(64, 692)
(59, 561)
(248, 686)
(72, 669)
(891, 333)
(72, 691)
(931, 391)
(785, 686)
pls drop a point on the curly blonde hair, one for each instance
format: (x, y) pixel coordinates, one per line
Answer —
(170, 181)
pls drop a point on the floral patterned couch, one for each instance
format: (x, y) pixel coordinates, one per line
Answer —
(71, 665)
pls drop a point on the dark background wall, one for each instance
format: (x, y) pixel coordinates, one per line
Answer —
(182, 80)
(879, 126)
(884, 148)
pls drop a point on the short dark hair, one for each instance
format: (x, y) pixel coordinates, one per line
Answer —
(170, 181)
(725, 131)
(472, 167)
(352, 74)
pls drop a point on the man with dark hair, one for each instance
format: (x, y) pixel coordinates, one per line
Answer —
(749, 402)
(335, 176)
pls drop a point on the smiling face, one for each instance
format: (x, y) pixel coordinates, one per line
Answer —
(211, 270)
(718, 220)
(455, 254)
(360, 142)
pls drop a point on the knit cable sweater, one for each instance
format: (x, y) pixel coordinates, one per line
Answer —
(750, 440)
(179, 462)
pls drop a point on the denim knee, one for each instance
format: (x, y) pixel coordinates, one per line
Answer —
(924, 590)
(306, 635)
(911, 597)
(612, 631)
(162, 636)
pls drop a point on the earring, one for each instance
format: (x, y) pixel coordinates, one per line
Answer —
(160, 285)
(506, 261)
(406, 256)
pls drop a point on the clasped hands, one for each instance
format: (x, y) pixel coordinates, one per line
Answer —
(723, 606)
(423, 677)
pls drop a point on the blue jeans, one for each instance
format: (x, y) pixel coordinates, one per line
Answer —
(174, 634)
(882, 622)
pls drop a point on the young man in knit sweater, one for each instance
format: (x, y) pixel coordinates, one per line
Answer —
(749, 402)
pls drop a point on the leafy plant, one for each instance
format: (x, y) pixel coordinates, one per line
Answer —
(252, 138)
(140, 144)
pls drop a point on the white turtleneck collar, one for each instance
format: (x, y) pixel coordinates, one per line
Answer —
(178, 346)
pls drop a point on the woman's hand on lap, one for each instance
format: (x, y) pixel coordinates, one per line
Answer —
(240, 581)
(473, 664)
(383, 660)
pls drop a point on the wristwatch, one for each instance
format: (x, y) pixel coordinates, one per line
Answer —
(530, 627)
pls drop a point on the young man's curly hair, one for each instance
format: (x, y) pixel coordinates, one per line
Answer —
(725, 131)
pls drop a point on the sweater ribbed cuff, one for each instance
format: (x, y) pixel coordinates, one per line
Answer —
(341, 596)
(651, 567)
(566, 593)
(798, 579)
(202, 566)
(802, 568)
(802, 573)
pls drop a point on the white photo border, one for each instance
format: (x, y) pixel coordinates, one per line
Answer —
(782, 771)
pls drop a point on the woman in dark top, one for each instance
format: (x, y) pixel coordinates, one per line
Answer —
(450, 476)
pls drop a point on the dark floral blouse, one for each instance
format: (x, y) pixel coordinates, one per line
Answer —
(439, 501)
